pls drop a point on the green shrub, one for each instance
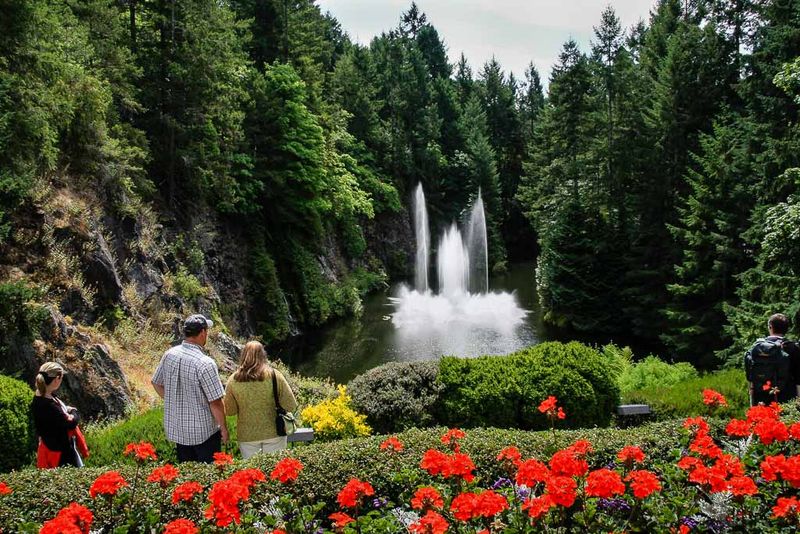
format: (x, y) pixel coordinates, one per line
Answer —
(505, 391)
(187, 286)
(106, 441)
(16, 426)
(685, 399)
(328, 466)
(19, 318)
(653, 371)
(398, 395)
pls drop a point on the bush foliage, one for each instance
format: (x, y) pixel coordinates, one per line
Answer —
(16, 427)
(505, 391)
(397, 395)
(653, 371)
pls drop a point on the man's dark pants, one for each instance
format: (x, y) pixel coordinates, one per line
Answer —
(203, 452)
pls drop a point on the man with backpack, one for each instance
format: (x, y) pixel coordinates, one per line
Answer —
(772, 365)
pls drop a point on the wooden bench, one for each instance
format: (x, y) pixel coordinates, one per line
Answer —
(302, 435)
(633, 409)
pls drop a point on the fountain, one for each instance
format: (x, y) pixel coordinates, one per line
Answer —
(462, 316)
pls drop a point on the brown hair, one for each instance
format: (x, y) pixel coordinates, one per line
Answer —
(47, 372)
(779, 323)
(253, 365)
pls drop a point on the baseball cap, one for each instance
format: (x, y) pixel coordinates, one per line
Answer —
(194, 324)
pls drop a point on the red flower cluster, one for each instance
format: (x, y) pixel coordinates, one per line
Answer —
(451, 437)
(604, 483)
(714, 399)
(456, 465)
(786, 507)
(142, 451)
(550, 409)
(185, 492)
(764, 422)
(4, 489)
(340, 519)
(725, 474)
(226, 495)
(643, 483)
(538, 506)
(352, 493)
(511, 455)
(466, 506)
(629, 455)
(430, 523)
(392, 444)
(222, 459)
(108, 484)
(286, 470)
(163, 475)
(181, 526)
(427, 498)
(73, 519)
(531, 472)
(787, 469)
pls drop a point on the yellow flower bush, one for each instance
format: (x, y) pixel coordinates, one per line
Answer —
(336, 418)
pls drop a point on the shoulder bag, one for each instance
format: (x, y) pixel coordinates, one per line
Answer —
(284, 421)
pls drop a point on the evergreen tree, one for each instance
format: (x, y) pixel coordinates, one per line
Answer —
(531, 102)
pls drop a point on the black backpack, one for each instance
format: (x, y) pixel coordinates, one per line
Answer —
(766, 362)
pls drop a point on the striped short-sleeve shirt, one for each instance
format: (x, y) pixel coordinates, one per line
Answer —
(191, 381)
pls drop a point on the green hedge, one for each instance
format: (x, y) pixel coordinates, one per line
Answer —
(398, 395)
(685, 398)
(16, 426)
(328, 466)
(505, 391)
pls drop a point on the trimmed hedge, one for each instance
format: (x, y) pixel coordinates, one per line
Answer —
(328, 466)
(505, 391)
(16, 425)
(398, 395)
(685, 399)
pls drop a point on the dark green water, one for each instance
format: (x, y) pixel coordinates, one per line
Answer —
(352, 346)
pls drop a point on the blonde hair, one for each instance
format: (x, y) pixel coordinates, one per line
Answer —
(50, 370)
(253, 365)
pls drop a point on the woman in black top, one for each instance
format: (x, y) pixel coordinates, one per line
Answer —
(53, 419)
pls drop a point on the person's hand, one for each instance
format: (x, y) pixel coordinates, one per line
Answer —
(225, 436)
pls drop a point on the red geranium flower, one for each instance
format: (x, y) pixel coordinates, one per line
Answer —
(786, 507)
(353, 492)
(4, 489)
(461, 466)
(713, 398)
(185, 492)
(434, 462)
(604, 483)
(580, 448)
(392, 444)
(276, 531)
(464, 506)
(225, 497)
(142, 451)
(696, 423)
(108, 484)
(491, 503)
(566, 463)
(59, 525)
(451, 437)
(791, 471)
(181, 526)
(286, 470)
(531, 472)
(538, 506)
(772, 466)
(643, 483)
(794, 431)
(738, 428)
(761, 413)
(630, 454)
(425, 498)
(511, 455)
(248, 477)
(741, 486)
(769, 430)
(561, 490)
(430, 523)
(340, 519)
(548, 405)
(163, 475)
(767, 386)
(73, 519)
(221, 459)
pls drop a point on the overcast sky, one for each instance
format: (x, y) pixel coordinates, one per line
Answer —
(516, 32)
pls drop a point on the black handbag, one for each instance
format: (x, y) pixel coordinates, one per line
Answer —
(284, 421)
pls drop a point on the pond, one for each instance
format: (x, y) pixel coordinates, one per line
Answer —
(352, 346)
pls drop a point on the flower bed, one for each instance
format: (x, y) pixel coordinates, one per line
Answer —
(697, 475)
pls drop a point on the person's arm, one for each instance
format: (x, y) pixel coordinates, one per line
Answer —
(212, 388)
(285, 393)
(218, 411)
(158, 378)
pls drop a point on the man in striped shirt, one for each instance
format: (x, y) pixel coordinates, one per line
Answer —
(188, 381)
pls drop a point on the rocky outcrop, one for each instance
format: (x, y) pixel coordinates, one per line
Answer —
(390, 239)
(94, 383)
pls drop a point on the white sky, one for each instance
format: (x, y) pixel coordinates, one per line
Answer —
(516, 32)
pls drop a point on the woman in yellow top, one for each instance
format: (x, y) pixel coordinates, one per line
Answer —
(248, 395)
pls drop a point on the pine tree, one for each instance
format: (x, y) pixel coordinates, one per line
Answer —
(531, 101)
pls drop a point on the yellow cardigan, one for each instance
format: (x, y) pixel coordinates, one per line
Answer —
(254, 404)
